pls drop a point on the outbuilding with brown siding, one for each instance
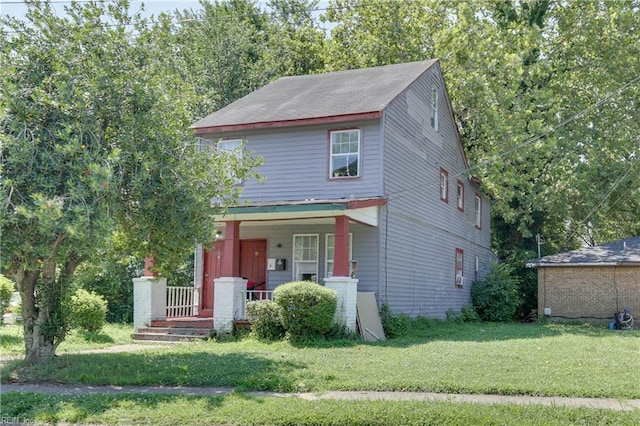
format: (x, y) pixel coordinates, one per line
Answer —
(590, 283)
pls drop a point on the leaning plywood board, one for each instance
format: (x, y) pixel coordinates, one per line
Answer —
(369, 321)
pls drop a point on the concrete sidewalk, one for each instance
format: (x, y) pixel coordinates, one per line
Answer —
(599, 403)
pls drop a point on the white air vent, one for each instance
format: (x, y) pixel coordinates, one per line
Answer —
(459, 280)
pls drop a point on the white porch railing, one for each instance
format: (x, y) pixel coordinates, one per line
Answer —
(251, 295)
(182, 301)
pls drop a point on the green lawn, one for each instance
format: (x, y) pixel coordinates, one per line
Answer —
(238, 409)
(537, 359)
(12, 343)
(548, 360)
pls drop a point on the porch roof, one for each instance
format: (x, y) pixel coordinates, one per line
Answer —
(363, 210)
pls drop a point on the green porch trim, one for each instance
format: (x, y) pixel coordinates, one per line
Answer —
(287, 208)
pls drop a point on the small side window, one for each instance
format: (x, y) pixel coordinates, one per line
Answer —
(444, 185)
(459, 268)
(434, 108)
(478, 211)
(460, 196)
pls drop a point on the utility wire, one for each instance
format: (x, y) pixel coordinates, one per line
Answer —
(602, 200)
(607, 97)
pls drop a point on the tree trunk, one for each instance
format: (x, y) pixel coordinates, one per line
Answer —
(44, 323)
(38, 347)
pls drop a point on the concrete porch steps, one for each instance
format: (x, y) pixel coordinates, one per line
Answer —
(175, 330)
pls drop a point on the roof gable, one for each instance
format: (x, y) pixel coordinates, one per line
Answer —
(619, 252)
(326, 97)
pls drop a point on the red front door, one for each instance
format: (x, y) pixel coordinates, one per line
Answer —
(253, 260)
(253, 266)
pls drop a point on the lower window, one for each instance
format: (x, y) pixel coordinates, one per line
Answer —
(305, 257)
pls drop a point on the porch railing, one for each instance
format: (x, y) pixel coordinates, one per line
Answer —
(182, 302)
(251, 295)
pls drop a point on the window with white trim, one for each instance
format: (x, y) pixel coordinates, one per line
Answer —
(233, 146)
(305, 257)
(444, 185)
(329, 248)
(344, 153)
(478, 211)
(459, 268)
(460, 196)
(434, 108)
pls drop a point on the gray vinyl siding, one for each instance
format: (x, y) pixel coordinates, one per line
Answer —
(423, 232)
(280, 246)
(296, 164)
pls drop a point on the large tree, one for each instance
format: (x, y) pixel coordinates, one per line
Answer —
(94, 119)
(546, 98)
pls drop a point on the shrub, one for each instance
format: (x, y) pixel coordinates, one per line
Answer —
(266, 319)
(6, 290)
(394, 325)
(495, 298)
(88, 311)
(307, 308)
(466, 314)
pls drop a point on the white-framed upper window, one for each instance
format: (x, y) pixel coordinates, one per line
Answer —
(203, 144)
(233, 146)
(444, 185)
(460, 196)
(434, 108)
(330, 248)
(305, 257)
(344, 153)
(478, 211)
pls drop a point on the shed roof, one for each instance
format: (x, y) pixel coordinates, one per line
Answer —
(621, 252)
(327, 97)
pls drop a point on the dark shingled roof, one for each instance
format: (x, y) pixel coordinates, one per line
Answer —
(317, 96)
(621, 252)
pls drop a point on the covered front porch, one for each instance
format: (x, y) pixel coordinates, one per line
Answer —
(261, 246)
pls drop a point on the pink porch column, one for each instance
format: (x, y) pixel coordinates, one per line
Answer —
(346, 288)
(341, 253)
(229, 289)
(148, 265)
(231, 258)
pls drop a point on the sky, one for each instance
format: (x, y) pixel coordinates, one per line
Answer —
(16, 8)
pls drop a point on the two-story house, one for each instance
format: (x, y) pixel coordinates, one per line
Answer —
(366, 186)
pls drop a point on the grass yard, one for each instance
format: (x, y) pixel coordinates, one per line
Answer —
(12, 343)
(145, 409)
(547, 360)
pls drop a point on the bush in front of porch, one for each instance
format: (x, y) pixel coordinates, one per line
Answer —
(307, 309)
(266, 319)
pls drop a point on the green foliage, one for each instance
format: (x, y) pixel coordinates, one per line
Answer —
(6, 290)
(307, 309)
(95, 139)
(466, 314)
(110, 275)
(394, 325)
(496, 297)
(266, 319)
(88, 311)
